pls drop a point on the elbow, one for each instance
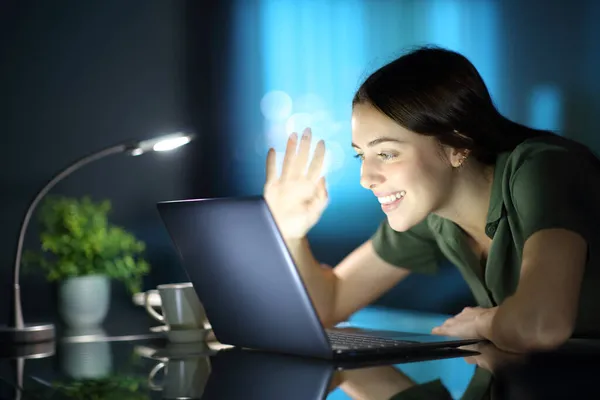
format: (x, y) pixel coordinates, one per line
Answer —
(330, 315)
(538, 338)
(549, 337)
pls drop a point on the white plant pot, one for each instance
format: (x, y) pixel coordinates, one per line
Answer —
(83, 301)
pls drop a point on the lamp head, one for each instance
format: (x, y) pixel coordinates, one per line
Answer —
(162, 143)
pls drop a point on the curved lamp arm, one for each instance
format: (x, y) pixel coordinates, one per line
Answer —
(163, 143)
(60, 176)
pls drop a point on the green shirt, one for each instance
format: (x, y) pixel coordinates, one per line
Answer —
(548, 182)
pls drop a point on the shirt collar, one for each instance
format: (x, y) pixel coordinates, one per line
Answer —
(495, 207)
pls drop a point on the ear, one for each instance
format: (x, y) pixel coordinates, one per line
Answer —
(458, 157)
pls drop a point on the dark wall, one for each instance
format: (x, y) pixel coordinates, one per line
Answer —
(77, 76)
(553, 43)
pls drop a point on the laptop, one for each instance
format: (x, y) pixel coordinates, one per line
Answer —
(254, 297)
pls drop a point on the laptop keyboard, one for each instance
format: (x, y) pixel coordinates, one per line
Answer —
(348, 341)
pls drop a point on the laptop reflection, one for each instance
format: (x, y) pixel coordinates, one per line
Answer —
(252, 375)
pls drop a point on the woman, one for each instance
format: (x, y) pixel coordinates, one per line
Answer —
(514, 208)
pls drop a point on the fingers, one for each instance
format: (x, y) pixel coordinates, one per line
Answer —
(294, 163)
(290, 155)
(303, 151)
(271, 166)
(316, 165)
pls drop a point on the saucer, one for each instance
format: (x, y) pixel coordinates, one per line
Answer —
(182, 336)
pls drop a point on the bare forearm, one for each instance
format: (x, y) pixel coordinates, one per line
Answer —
(319, 281)
(542, 313)
(517, 326)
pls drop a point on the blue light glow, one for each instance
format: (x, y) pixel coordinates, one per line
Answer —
(546, 108)
(314, 55)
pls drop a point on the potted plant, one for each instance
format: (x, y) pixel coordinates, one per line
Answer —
(82, 251)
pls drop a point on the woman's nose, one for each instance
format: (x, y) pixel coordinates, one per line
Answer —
(370, 177)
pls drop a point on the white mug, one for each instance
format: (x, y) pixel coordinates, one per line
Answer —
(181, 308)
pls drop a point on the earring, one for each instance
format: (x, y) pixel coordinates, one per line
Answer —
(462, 159)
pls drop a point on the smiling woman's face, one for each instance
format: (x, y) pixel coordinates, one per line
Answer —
(410, 174)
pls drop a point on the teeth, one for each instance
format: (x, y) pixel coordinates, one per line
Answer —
(392, 197)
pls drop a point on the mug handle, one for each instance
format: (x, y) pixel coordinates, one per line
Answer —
(152, 374)
(152, 311)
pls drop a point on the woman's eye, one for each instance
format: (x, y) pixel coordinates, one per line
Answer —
(387, 156)
(382, 156)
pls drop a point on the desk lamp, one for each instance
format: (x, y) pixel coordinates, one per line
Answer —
(19, 332)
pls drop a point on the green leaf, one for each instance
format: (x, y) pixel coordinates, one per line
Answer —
(77, 239)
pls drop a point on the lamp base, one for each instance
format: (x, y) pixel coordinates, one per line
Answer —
(30, 333)
(28, 351)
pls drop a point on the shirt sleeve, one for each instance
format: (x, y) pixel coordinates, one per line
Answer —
(415, 249)
(557, 189)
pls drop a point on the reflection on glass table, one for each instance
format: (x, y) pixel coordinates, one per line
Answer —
(143, 366)
(99, 366)
(152, 368)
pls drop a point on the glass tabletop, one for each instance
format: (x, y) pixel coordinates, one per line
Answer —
(94, 364)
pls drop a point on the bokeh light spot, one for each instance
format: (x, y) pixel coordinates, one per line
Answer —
(276, 105)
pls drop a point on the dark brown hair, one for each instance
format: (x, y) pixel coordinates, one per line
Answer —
(438, 92)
